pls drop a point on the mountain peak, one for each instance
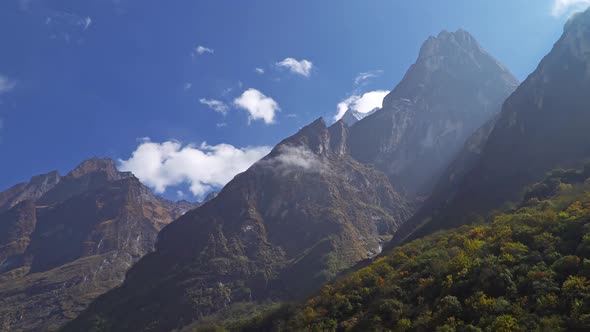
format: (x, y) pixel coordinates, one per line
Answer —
(310, 135)
(455, 58)
(318, 123)
(94, 165)
(576, 35)
(578, 19)
(447, 42)
(452, 89)
(543, 125)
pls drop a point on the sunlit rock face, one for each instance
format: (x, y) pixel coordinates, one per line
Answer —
(64, 240)
(452, 90)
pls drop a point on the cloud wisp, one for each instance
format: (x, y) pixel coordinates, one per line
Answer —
(299, 67)
(203, 168)
(364, 103)
(295, 158)
(563, 7)
(216, 105)
(258, 106)
(364, 77)
(200, 50)
(6, 84)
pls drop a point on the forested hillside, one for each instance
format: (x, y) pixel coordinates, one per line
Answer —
(527, 269)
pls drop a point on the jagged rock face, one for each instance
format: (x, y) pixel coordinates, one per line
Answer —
(66, 240)
(543, 125)
(453, 89)
(277, 231)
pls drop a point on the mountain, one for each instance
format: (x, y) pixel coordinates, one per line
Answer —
(446, 187)
(452, 90)
(529, 270)
(64, 240)
(543, 125)
(352, 116)
(278, 231)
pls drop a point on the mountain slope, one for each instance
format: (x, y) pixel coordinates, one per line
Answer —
(452, 90)
(66, 240)
(543, 125)
(277, 231)
(529, 270)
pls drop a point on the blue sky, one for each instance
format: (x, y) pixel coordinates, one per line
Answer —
(99, 77)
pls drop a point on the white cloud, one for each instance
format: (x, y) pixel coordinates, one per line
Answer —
(299, 157)
(221, 124)
(364, 103)
(562, 7)
(302, 67)
(203, 168)
(202, 50)
(295, 158)
(362, 78)
(216, 105)
(259, 106)
(259, 70)
(187, 86)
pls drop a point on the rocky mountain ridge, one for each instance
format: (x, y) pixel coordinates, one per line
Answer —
(64, 240)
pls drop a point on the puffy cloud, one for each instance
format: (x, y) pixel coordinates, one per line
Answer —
(202, 50)
(259, 70)
(561, 7)
(6, 84)
(302, 67)
(216, 105)
(364, 103)
(203, 168)
(259, 106)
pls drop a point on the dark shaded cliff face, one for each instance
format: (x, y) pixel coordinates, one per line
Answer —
(448, 183)
(543, 125)
(452, 90)
(66, 240)
(277, 231)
